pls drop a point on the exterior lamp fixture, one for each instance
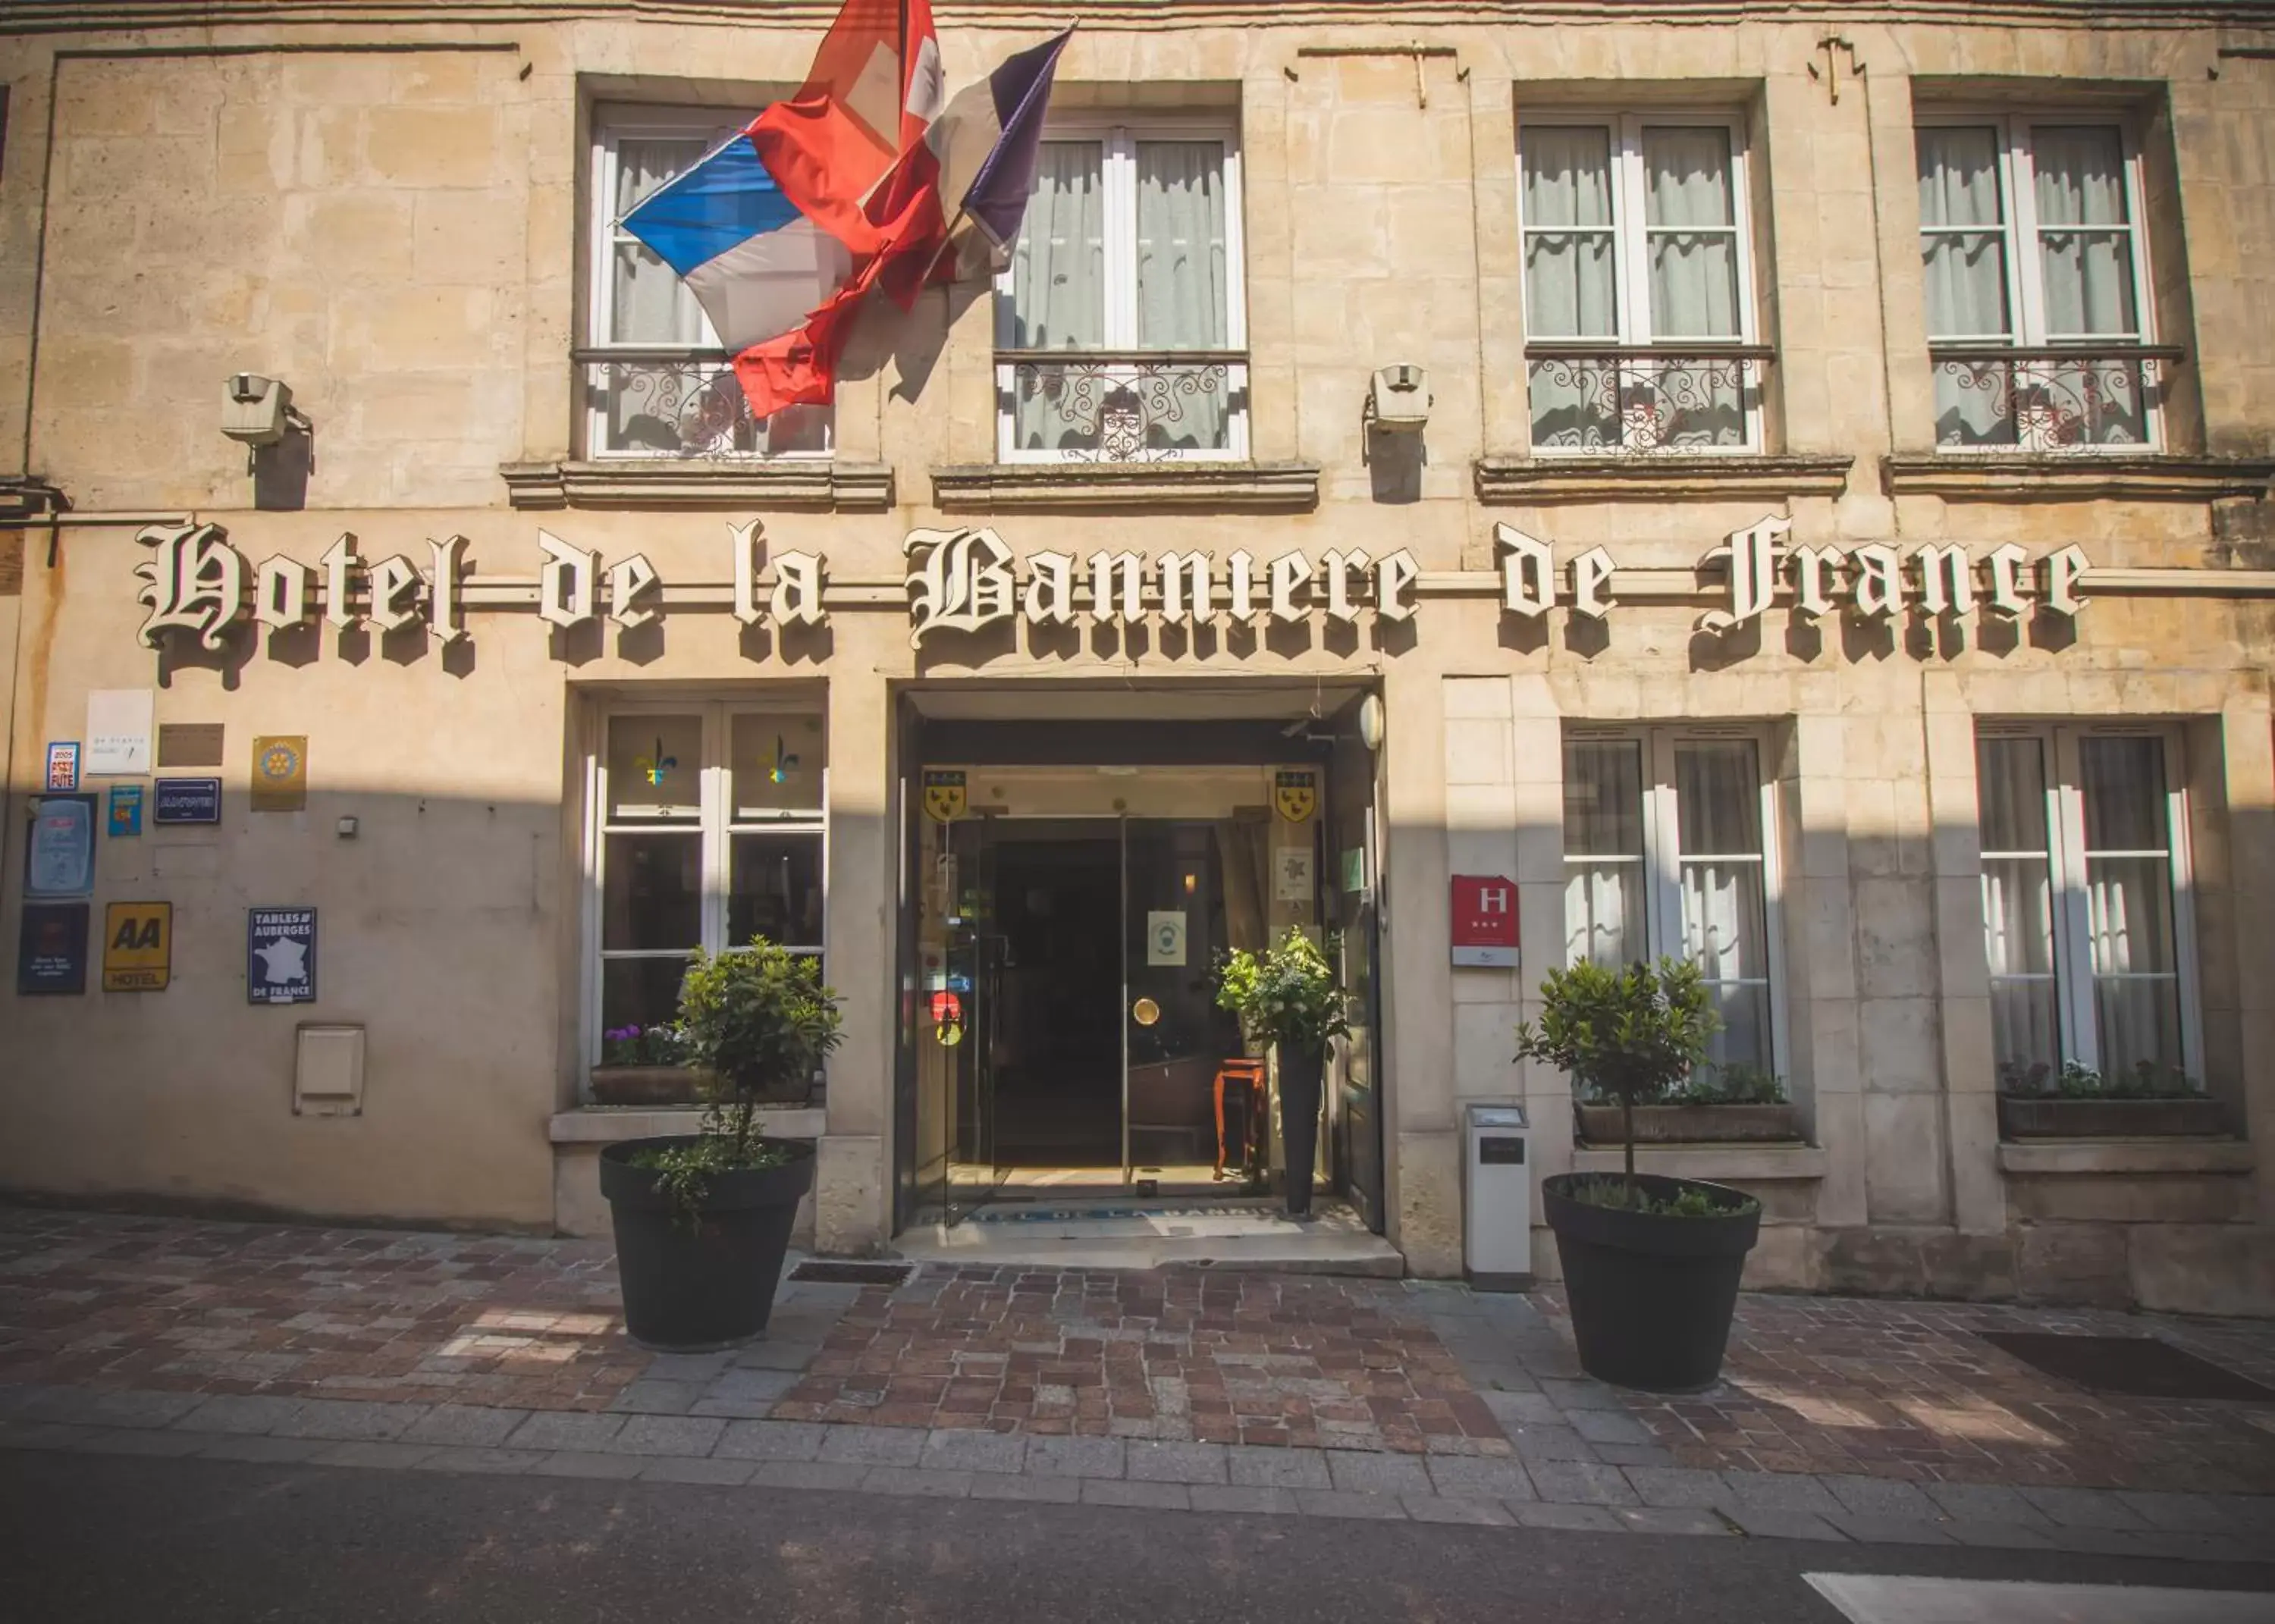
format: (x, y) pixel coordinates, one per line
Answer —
(1370, 722)
(1398, 399)
(255, 410)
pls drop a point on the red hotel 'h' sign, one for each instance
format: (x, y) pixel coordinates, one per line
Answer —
(1485, 921)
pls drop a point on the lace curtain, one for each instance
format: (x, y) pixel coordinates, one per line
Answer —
(1181, 295)
(2128, 902)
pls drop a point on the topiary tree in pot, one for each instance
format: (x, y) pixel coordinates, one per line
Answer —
(703, 1220)
(1286, 996)
(1651, 1264)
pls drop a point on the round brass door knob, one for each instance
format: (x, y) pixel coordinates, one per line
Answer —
(1144, 1012)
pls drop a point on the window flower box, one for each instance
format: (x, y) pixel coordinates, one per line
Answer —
(1693, 1124)
(647, 1085)
(2023, 1116)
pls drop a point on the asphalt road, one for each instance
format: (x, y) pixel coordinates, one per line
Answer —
(87, 1538)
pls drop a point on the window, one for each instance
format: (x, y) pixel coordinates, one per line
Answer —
(2036, 276)
(1121, 328)
(2085, 904)
(1666, 853)
(711, 831)
(1638, 284)
(657, 381)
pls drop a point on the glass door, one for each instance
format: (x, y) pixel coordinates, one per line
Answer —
(965, 1005)
(1175, 1038)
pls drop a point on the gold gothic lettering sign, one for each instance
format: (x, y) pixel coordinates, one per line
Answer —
(196, 585)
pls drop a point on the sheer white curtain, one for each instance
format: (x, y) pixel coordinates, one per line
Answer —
(1183, 301)
(1690, 231)
(1963, 258)
(649, 305)
(1058, 287)
(2085, 260)
(1724, 921)
(1571, 276)
(2018, 909)
(2128, 895)
(1605, 879)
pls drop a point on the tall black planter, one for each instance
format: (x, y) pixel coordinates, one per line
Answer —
(1300, 1071)
(1651, 1295)
(690, 1288)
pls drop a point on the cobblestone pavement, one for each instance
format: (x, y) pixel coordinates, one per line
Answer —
(1429, 1379)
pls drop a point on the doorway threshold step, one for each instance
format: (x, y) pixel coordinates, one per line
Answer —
(1332, 1243)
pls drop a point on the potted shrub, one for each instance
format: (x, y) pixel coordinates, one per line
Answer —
(1286, 996)
(1651, 1264)
(645, 1066)
(2077, 1102)
(702, 1220)
(1720, 1104)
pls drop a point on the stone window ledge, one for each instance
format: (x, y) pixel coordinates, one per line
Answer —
(628, 482)
(1741, 1163)
(1224, 487)
(613, 1125)
(2077, 477)
(1656, 478)
(2105, 1156)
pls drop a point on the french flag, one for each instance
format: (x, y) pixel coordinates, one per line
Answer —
(782, 231)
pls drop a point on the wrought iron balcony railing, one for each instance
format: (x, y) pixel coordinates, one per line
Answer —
(2058, 398)
(662, 401)
(1644, 399)
(1122, 406)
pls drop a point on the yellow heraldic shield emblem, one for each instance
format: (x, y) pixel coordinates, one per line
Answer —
(943, 794)
(1296, 795)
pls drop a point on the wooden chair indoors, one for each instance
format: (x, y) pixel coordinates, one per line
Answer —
(1247, 1077)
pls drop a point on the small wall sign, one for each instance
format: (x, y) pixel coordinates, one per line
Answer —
(59, 857)
(280, 773)
(63, 766)
(1484, 922)
(118, 722)
(126, 810)
(190, 743)
(1165, 939)
(1296, 795)
(280, 956)
(944, 794)
(1292, 878)
(51, 951)
(186, 800)
(138, 947)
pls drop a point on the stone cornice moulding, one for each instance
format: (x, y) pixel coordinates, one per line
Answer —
(752, 485)
(2104, 1157)
(1969, 476)
(1749, 1164)
(1527, 482)
(1107, 488)
(92, 16)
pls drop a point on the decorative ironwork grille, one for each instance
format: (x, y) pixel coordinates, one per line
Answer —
(1123, 407)
(686, 404)
(2061, 399)
(1643, 399)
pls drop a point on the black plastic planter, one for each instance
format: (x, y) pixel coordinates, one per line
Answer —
(1300, 1074)
(1651, 1295)
(690, 1288)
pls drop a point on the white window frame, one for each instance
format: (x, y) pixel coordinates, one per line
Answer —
(611, 125)
(714, 826)
(1119, 137)
(1631, 253)
(2076, 1028)
(2026, 284)
(1663, 857)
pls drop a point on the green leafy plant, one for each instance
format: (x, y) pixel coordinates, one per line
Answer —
(1730, 1084)
(758, 1022)
(1286, 994)
(2147, 1080)
(1633, 1033)
(1600, 1189)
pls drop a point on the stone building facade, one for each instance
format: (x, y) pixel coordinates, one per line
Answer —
(1836, 548)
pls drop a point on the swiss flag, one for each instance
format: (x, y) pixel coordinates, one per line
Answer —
(836, 148)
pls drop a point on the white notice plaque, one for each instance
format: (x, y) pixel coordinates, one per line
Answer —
(119, 731)
(1165, 940)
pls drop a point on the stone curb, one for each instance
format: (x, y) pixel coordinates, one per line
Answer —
(1486, 1493)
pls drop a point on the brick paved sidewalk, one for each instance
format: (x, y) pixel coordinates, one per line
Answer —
(1862, 1391)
